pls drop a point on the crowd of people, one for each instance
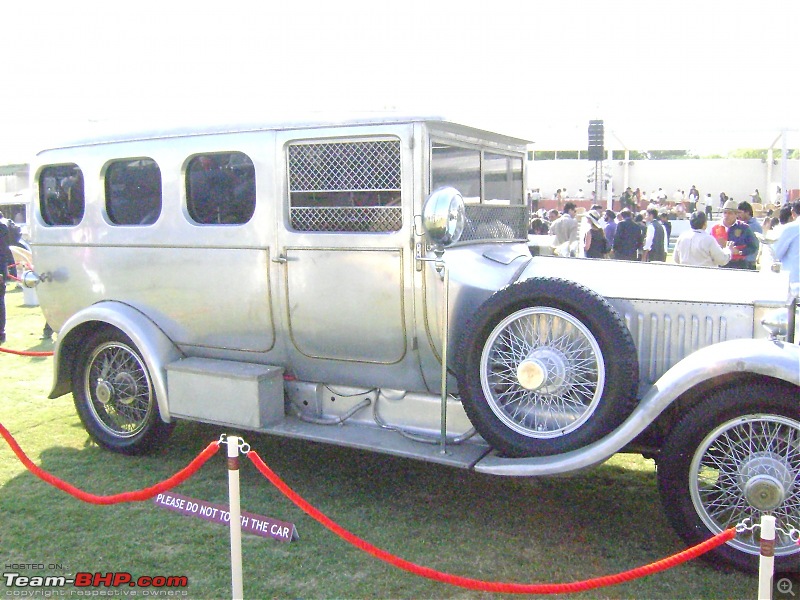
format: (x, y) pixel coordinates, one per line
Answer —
(626, 236)
(598, 235)
(738, 241)
(681, 204)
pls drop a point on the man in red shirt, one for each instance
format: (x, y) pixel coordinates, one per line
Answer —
(745, 242)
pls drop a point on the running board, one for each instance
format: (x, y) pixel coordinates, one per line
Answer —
(376, 439)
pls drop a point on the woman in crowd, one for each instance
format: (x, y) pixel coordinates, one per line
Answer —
(595, 244)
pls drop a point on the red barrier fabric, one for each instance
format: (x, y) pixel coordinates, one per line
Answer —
(135, 496)
(26, 352)
(455, 580)
(476, 584)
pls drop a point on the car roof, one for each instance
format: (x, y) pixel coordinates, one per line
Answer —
(113, 132)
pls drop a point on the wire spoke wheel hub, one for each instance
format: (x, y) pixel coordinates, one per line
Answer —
(747, 466)
(542, 372)
(120, 390)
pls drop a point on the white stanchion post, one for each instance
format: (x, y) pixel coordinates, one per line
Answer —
(236, 521)
(766, 564)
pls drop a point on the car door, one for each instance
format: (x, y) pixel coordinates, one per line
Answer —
(344, 250)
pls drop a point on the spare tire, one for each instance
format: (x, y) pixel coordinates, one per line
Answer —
(547, 366)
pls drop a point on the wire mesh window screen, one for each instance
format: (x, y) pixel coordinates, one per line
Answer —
(486, 222)
(345, 186)
(371, 219)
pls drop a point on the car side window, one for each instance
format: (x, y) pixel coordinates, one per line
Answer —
(221, 188)
(502, 178)
(133, 191)
(61, 195)
(347, 186)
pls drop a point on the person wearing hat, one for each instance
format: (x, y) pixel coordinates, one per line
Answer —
(745, 243)
(595, 244)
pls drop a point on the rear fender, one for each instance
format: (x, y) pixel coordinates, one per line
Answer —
(767, 358)
(156, 348)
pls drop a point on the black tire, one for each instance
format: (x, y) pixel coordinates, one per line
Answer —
(730, 458)
(114, 395)
(547, 366)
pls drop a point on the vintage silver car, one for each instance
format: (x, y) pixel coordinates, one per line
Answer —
(367, 282)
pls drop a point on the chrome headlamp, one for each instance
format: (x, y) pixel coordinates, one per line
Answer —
(443, 216)
(776, 322)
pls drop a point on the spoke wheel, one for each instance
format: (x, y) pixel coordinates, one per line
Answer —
(534, 377)
(119, 388)
(114, 395)
(542, 372)
(734, 457)
(747, 467)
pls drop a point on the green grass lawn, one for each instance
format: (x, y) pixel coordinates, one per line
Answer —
(547, 530)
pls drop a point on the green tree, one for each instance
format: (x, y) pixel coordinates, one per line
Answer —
(670, 154)
(763, 153)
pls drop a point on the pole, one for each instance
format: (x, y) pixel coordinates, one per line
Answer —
(598, 175)
(784, 169)
(626, 170)
(236, 521)
(766, 563)
(445, 326)
(610, 190)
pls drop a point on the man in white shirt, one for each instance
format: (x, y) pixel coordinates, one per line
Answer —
(565, 230)
(655, 241)
(709, 202)
(698, 247)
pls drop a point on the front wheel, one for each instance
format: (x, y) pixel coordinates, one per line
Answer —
(733, 457)
(114, 395)
(548, 366)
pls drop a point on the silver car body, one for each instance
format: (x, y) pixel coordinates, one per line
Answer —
(352, 319)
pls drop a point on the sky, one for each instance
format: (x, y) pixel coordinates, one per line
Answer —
(701, 75)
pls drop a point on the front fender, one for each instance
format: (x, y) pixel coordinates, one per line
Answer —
(777, 360)
(156, 348)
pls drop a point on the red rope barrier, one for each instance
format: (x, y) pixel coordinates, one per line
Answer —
(27, 352)
(135, 496)
(476, 584)
(456, 580)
